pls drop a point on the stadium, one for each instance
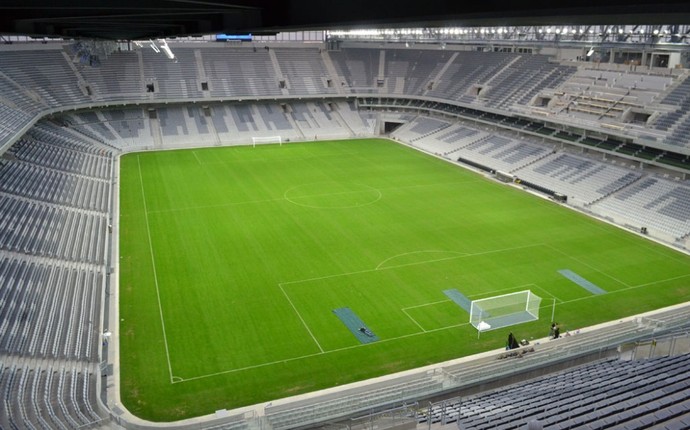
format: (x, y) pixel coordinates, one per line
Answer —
(261, 216)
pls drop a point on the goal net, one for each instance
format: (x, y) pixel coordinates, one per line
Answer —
(504, 310)
(267, 139)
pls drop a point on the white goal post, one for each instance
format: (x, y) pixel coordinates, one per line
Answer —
(267, 139)
(504, 310)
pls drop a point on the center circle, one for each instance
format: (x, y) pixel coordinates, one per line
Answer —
(332, 195)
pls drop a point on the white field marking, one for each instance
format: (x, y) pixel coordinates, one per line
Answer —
(155, 275)
(178, 379)
(588, 265)
(197, 158)
(633, 287)
(301, 357)
(435, 184)
(632, 237)
(414, 320)
(663, 280)
(493, 292)
(246, 202)
(301, 319)
(289, 199)
(279, 199)
(221, 205)
(417, 252)
(357, 272)
(542, 289)
(426, 304)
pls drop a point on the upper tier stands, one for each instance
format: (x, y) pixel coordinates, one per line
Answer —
(174, 80)
(235, 72)
(521, 79)
(359, 67)
(54, 86)
(495, 80)
(409, 71)
(591, 97)
(677, 122)
(119, 78)
(304, 70)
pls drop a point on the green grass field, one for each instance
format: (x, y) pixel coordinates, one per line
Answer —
(233, 259)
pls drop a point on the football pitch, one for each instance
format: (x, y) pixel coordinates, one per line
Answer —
(233, 261)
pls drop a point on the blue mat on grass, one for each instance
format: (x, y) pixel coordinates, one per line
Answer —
(579, 280)
(459, 299)
(355, 325)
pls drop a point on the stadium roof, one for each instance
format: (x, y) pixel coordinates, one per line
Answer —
(137, 19)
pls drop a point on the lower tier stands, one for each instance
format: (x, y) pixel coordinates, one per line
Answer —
(653, 203)
(621, 395)
(48, 308)
(53, 231)
(54, 396)
(48, 185)
(54, 206)
(582, 180)
(503, 153)
(419, 128)
(447, 141)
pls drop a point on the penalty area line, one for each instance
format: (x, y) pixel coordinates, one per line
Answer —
(414, 321)
(588, 265)
(398, 266)
(299, 315)
(302, 357)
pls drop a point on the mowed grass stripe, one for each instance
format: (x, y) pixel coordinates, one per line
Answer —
(225, 239)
